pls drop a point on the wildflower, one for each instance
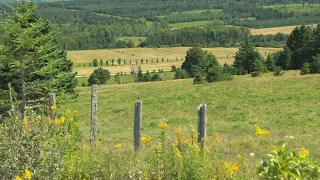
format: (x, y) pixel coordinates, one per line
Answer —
(118, 146)
(179, 132)
(27, 174)
(164, 126)
(25, 122)
(232, 167)
(61, 120)
(196, 148)
(159, 145)
(289, 137)
(67, 112)
(54, 107)
(146, 139)
(178, 153)
(252, 154)
(303, 152)
(75, 112)
(18, 178)
(260, 132)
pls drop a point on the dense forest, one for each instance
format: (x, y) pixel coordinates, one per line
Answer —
(97, 24)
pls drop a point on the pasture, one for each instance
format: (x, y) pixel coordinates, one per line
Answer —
(223, 55)
(267, 31)
(190, 24)
(287, 106)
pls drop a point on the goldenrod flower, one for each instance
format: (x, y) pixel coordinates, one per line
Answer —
(196, 148)
(231, 167)
(54, 107)
(25, 122)
(146, 139)
(303, 152)
(18, 178)
(164, 126)
(67, 111)
(27, 174)
(260, 132)
(178, 154)
(118, 146)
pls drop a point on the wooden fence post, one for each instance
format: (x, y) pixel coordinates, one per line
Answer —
(52, 100)
(202, 122)
(137, 125)
(94, 108)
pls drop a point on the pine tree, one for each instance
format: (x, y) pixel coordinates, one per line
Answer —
(31, 58)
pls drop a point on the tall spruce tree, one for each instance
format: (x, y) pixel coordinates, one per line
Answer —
(248, 59)
(30, 57)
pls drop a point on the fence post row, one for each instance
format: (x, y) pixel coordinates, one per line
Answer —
(52, 101)
(94, 108)
(202, 121)
(137, 125)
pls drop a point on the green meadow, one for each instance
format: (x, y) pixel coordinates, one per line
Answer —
(190, 24)
(287, 106)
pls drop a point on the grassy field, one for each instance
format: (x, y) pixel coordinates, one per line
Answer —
(287, 106)
(224, 55)
(136, 40)
(266, 31)
(190, 24)
(194, 12)
(296, 7)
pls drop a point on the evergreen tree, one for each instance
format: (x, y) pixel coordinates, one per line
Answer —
(100, 62)
(270, 63)
(284, 58)
(119, 61)
(301, 44)
(31, 58)
(248, 58)
(95, 62)
(147, 77)
(140, 77)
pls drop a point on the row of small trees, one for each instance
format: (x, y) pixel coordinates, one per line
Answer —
(119, 61)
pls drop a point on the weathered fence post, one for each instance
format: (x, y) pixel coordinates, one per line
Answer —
(202, 122)
(137, 125)
(94, 107)
(52, 100)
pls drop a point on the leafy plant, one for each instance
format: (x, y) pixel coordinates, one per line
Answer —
(284, 164)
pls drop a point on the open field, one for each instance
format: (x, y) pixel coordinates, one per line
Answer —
(266, 31)
(190, 24)
(306, 7)
(136, 40)
(194, 12)
(224, 55)
(287, 106)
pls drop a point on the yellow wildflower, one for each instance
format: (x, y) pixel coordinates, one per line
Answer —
(196, 148)
(159, 145)
(303, 152)
(179, 132)
(164, 126)
(67, 112)
(118, 146)
(54, 107)
(27, 174)
(260, 132)
(18, 178)
(75, 112)
(231, 167)
(25, 122)
(178, 153)
(146, 139)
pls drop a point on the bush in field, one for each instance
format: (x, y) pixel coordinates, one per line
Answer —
(99, 76)
(180, 74)
(198, 79)
(278, 71)
(156, 77)
(95, 62)
(305, 69)
(216, 73)
(284, 164)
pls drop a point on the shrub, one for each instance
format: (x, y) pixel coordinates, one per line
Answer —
(180, 74)
(198, 79)
(95, 62)
(305, 69)
(315, 65)
(255, 74)
(283, 164)
(278, 71)
(216, 74)
(156, 77)
(99, 76)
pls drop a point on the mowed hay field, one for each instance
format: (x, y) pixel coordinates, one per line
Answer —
(287, 106)
(224, 55)
(266, 31)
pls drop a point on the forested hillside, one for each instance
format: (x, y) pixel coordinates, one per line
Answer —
(98, 24)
